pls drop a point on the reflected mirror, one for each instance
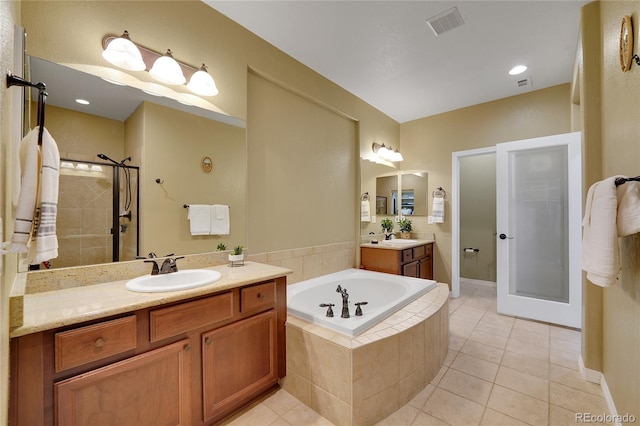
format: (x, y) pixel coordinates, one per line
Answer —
(414, 193)
(152, 153)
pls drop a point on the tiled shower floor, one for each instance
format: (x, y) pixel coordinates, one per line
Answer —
(500, 371)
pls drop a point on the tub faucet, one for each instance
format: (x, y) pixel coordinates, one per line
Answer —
(345, 301)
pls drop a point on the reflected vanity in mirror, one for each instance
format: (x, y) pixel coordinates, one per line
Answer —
(162, 142)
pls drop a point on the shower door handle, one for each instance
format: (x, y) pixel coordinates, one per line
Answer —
(504, 237)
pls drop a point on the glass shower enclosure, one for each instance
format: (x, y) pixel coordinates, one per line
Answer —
(98, 220)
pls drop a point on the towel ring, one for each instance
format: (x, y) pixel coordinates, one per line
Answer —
(439, 193)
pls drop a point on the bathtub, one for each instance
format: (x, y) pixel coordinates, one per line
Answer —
(385, 294)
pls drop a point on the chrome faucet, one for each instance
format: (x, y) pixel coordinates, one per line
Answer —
(345, 301)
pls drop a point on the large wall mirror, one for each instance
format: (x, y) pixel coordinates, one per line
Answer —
(391, 193)
(153, 152)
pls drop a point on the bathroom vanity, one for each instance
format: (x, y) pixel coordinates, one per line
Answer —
(411, 259)
(101, 354)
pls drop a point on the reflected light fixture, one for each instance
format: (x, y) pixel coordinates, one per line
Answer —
(202, 83)
(518, 69)
(386, 153)
(123, 53)
(167, 70)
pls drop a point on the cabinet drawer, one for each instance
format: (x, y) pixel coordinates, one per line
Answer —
(407, 255)
(86, 344)
(419, 252)
(174, 320)
(257, 296)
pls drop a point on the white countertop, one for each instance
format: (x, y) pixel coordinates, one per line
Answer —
(396, 244)
(52, 309)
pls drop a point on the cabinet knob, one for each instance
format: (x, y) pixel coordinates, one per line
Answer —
(260, 296)
(99, 342)
(208, 341)
(187, 348)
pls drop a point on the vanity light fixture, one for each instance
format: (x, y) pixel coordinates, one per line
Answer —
(167, 70)
(202, 83)
(163, 68)
(123, 53)
(386, 153)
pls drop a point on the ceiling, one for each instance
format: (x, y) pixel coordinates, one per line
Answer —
(385, 53)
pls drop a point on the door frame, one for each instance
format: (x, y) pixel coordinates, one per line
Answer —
(455, 212)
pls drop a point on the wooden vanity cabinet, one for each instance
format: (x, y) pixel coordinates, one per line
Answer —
(411, 262)
(192, 362)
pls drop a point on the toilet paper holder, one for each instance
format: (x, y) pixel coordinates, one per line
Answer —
(470, 250)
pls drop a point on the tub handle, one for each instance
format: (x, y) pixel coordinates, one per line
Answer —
(329, 310)
(359, 309)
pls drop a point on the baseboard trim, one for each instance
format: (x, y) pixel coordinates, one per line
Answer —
(595, 376)
(477, 282)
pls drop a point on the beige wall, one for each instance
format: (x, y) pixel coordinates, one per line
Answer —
(173, 146)
(612, 102)
(478, 217)
(427, 144)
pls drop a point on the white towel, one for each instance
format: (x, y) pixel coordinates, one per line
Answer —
(25, 212)
(628, 217)
(44, 245)
(600, 252)
(365, 211)
(219, 220)
(199, 219)
(438, 210)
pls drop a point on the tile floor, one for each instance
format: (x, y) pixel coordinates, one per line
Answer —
(500, 371)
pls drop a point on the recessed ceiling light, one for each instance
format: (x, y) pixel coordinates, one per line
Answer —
(518, 69)
(83, 101)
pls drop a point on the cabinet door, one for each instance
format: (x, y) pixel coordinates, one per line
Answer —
(149, 389)
(426, 268)
(239, 361)
(411, 269)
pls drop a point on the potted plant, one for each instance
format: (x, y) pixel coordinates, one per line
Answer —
(405, 228)
(387, 228)
(236, 254)
(221, 247)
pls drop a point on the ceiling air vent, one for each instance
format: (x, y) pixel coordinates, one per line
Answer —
(445, 21)
(524, 82)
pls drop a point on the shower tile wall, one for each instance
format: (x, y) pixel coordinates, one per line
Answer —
(84, 221)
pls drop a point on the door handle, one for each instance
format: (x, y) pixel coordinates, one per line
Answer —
(504, 237)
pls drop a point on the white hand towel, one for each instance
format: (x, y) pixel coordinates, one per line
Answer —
(29, 158)
(365, 211)
(45, 242)
(600, 252)
(628, 217)
(219, 220)
(199, 219)
(438, 210)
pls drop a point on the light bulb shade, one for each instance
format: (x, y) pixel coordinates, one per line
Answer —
(385, 153)
(202, 83)
(167, 70)
(123, 53)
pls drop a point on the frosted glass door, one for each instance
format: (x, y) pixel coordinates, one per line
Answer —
(539, 205)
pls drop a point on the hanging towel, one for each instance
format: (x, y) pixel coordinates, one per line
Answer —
(628, 217)
(600, 252)
(365, 211)
(438, 210)
(44, 245)
(29, 159)
(219, 220)
(199, 219)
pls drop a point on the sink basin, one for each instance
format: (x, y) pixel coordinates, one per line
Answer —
(398, 242)
(181, 280)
